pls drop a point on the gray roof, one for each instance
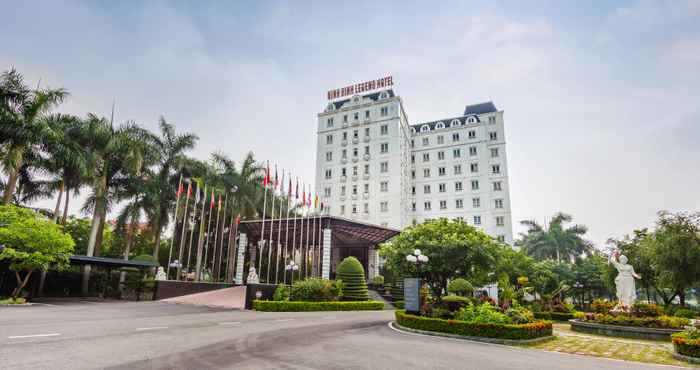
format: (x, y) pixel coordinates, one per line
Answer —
(373, 96)
(480, 108)
(447, 122)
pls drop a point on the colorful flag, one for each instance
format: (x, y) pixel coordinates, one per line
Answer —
(266, 179)
(189, 191)
(238, 219)
(196, 195)
(219, 202)
(211, 203)
(276, 183)
(303, 195)
(180, 190)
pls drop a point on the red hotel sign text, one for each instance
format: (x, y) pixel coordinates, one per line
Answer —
(361, 87)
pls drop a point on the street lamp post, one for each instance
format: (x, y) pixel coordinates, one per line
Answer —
(413, 297)
(292, 266)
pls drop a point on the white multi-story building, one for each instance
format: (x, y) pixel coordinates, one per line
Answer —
(373, 166)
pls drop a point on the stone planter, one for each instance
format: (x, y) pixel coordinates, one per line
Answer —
(634, 332)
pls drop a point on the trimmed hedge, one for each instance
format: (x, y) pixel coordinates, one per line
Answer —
(500, 331)
(296, 306)
(686, 345)
(398, 304)
(352, 274)
(556, 316)
(661, 322)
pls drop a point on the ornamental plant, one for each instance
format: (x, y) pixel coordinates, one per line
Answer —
(687, 342)
(351, 272)
(281, 293)
(640, 309)
(378, 280)
(483, 313)
(520, 315)
(31, 244)
(460, 287)
(602, 305)
(685, 312)
(315, 290)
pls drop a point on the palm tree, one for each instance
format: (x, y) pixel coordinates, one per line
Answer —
(554, 240)
(169, 149)
(23, 134)
(114, 154)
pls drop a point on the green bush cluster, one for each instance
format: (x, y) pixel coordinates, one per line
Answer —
(685, 312)
(556, 316)
(602, 305)
(687, 342)
(460, 287)
(11, 300)
(640, 309)
(455, 302)
(482, 314)
(398, 304)
(397, 290)
(315, 290)
(281, 293)
(661, 322)
(473, 329)
(290, 306)
(520, 315)
(378, 280)
(351, 272)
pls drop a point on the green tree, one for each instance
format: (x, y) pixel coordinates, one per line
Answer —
(79, 230)
(455, 249)
(555, 240)
(31, 244)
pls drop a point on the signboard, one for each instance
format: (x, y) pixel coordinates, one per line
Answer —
(411, 294)
(361, 87)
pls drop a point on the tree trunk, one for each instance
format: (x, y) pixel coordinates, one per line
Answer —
(681, 296)
(20, 283)
(65, 210)
(10, 186)
(100, 233)
(96, 220)
(58, 203)
(127, 249)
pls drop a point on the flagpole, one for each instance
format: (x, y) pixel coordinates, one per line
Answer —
(185, 223)
(308, 224)
(294, 235)
(214, 267)
(200, 239)
(301, 231)
(223, 230)
(278, 245)
(206, 243)
(313, 242)
(286, 232)
(320, 241)
(172, 238)
(261, 242)
(269, 244)
(230, 255)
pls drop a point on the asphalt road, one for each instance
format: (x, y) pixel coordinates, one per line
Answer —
(154, 335)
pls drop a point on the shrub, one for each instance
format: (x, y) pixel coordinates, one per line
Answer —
(315, 290)
(602, 305)
(441, 313)
(455, 302)
(289, 306)
(520, 315)
(460, 286)
(640, 309)
(687, 342)
(378, 280)
(281, 293)
(685, 312)
(483, 313)
(501, 331)
(351, 272)
(557, 316)
(661, 322)
(398, 304)
(11, 300)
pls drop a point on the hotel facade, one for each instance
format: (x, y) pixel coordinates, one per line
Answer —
(375, 166)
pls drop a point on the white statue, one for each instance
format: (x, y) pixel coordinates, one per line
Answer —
(624, 282)
(252, 277)
(160, 274)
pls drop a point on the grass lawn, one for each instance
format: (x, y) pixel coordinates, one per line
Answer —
(568, 341)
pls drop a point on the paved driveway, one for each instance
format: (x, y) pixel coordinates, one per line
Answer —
(157, 335)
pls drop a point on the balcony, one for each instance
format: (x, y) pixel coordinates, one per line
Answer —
(366, 157)
(345, 124)
(344, 143)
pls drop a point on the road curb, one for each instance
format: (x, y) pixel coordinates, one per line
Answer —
(506, 342)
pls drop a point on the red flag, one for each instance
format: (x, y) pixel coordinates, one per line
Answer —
(303, 195)
(266, 179)
(189, 191)
(321, 206)
(180, 190)
(238, 219)
(211, 204)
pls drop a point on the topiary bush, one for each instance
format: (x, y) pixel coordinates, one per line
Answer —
(315, 290)
(378, 280)
(460, 287)
(352, 274)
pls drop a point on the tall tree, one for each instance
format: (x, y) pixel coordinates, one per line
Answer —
(555, 240)
(23, 133)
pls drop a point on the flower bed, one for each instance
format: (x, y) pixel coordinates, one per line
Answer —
(687, 343)
(660, 322)
(499, 331)
(297, 306)
(556, 316)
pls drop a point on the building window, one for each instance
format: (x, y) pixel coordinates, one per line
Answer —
(459, 219)
(496, 168)
(366, 188)
(413, 174)
(327, 192)
(499, 221)
(343, 171)
(501, 238)
(342, 209)
(367, 150)
(367, 114)
(426, 157)
(492, 120)
(477, 220)
(329, 139)
(384, 167)
(355, 134)
(474, 167)
(344, 154)
(458, 169)
(356, 116)
(367, 131)
(342, 191)
(328, 174)
(426, 206)
(494, 152)
(456, 153)
(329, 122)
(441, 139)
(475, 184)
(413, 143)
(384, 129)
(455, 136)
(443, 204)
(413, 190)
(354, 190)
(384, 186)
(384, 111)
(354, 208)
(476, 202)
(384, 206)
(498, 203)
(472, 151)
(459, 203)
(413, 158)
(497, 186)
(345, 135)
(354, 152)
(426, 141)
(413, 207)
(426, 172)
(366, 169)
(329, 156)
(441, 188)
(493, 136)
(426, 189)
(345, 118)
(366, 208)
(384, 148)
(472, 134)
(441, 171)
(441, 155)
(458, 186)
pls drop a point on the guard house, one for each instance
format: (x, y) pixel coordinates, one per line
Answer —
(323, 240)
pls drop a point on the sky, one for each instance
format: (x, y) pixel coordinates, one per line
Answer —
(601, 99)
